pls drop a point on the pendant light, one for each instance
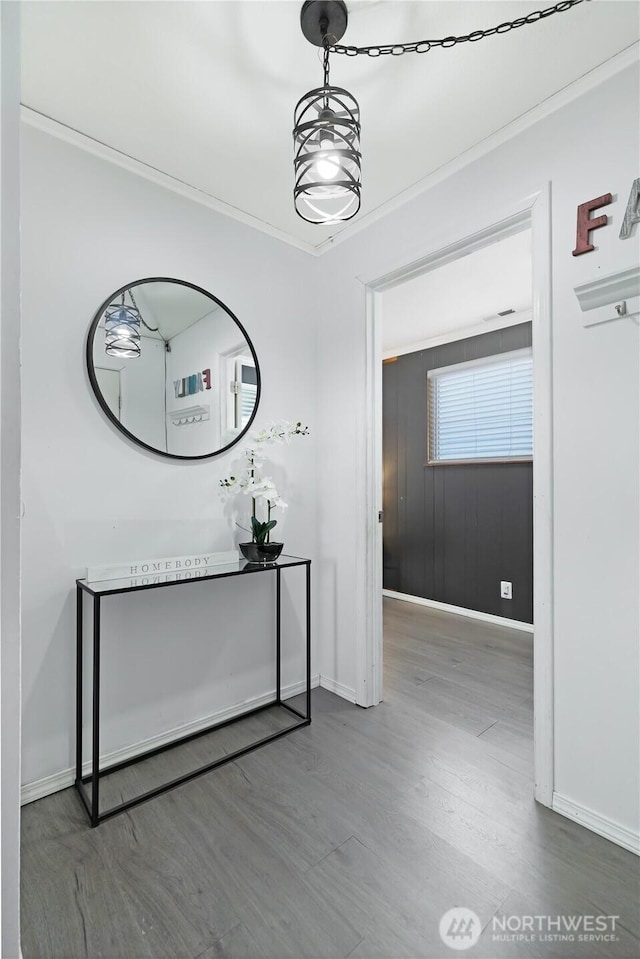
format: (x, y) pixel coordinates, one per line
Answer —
(326, 132)
(122, 329)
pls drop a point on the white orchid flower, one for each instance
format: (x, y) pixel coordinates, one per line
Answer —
(262, 436)
(248, 479)
(264, 489)
(254, 456)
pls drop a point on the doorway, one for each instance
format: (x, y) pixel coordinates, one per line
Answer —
(458, 435)
(532, 213)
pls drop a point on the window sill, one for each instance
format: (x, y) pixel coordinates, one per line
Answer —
(480, 462)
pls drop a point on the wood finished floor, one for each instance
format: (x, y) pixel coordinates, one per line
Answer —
(349, 838)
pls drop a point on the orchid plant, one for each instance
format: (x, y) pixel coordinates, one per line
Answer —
(251, 482)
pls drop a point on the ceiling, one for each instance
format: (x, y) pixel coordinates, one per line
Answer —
(168, 308)
(469, 291)
(205, 91)
(172, 307)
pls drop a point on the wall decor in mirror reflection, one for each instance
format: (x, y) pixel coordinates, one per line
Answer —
(173, 368)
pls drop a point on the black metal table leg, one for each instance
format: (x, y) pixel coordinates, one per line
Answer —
(95, 771)
(278, 635)
(308, 568)
(79, 640)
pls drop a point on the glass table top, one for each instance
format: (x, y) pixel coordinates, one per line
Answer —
(155, 577)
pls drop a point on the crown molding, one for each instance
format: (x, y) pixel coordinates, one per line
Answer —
(63, 132)
(577, 88)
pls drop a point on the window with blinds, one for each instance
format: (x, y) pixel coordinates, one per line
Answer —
(248, 394)
(481, 410)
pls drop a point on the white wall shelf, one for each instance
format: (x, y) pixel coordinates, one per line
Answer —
(610, 297)
(189, 415)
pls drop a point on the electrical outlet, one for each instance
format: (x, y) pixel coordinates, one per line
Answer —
(506, 591)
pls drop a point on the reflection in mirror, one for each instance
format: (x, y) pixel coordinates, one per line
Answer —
(173, 368)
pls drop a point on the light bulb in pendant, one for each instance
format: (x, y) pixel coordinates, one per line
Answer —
(327, 166)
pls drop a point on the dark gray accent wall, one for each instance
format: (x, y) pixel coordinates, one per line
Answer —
(452, 533)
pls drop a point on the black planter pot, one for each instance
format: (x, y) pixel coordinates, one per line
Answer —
(267, 553)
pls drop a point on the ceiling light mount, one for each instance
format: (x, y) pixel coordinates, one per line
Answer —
(324, 18)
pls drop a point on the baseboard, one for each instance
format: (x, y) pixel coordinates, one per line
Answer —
(345, 692)
(460, 611)
(596, 823)
(30, 792)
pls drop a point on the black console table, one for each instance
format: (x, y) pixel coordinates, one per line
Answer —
(96, 591)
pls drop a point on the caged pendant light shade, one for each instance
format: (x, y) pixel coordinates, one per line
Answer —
(326, 130)
(327, 155)
(122, 330)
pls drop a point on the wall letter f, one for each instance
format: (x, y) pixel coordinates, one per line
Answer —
(585, 225)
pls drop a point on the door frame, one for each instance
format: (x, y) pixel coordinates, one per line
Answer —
(532, 212)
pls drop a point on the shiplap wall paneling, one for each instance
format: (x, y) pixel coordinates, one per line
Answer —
(452, 533)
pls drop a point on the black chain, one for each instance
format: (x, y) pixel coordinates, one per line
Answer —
(423, 46)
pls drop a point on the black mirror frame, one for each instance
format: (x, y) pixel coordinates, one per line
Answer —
(98, 394)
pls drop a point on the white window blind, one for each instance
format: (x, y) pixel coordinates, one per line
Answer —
(481, 410)
(248, 392)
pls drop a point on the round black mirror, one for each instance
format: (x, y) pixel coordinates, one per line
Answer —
(173, 368)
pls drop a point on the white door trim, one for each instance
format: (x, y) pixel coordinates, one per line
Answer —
(10, 477)
(531, 212)
(543, 738)
(369, 647)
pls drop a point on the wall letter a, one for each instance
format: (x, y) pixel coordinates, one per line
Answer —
(632, 213)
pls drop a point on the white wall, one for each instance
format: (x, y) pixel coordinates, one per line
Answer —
(90, 496)
(142, 388)
(586, 149)
(197, 348)
(10, 479)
